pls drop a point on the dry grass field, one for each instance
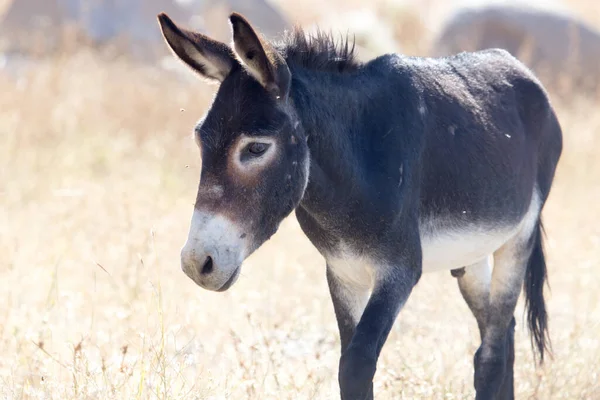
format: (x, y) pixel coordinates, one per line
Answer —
(98, 175)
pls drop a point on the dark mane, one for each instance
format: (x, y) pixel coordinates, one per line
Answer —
(318, 51)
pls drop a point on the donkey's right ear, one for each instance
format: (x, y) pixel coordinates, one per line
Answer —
(211, 59)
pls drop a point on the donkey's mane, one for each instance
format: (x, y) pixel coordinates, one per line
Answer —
(318, 51)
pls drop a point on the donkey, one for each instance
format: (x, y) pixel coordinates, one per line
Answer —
(393, 167)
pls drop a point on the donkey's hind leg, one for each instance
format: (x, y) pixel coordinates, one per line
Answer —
(494, 360)
(475, 283)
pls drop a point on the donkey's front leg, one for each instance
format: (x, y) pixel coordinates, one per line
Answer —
(349, 299)
(391, 289)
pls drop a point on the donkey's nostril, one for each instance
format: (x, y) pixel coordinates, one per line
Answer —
(208, 266)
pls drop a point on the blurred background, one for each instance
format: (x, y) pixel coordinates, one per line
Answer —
(98, 176)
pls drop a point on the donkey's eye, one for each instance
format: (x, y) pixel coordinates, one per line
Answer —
(257, 149)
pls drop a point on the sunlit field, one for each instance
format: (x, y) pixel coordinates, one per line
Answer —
(98, 178)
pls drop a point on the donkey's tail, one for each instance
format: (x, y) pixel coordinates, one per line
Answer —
(535, 278)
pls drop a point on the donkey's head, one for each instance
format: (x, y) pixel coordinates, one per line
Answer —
(254, 153)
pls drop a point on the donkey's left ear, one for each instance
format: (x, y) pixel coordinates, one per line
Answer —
(211, 59)
(260, 58)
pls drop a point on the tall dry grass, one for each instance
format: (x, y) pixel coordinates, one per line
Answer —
(97, 180)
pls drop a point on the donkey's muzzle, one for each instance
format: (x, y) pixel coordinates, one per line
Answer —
(213, 252)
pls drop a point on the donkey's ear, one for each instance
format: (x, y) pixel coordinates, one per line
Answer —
(211, 59)
(260, 58)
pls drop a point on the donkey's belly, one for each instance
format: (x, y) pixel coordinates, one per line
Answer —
(455, 248)
(449, 245)
(446, 244)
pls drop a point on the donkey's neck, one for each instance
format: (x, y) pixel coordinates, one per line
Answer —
(329, 108)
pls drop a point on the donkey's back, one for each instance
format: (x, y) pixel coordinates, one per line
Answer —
(490, 138)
